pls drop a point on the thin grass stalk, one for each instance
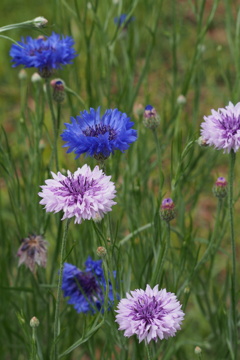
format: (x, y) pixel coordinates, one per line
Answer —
(233, 245)
(57, 319)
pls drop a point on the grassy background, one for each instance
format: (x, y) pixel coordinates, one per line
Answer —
(172, 48)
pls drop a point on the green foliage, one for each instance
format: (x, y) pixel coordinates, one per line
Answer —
(172, 48)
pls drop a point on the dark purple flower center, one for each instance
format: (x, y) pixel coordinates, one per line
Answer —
(147, 309)
(100, 129)
(76, 186)
(40, 50)
(88, 284)
(230, 123)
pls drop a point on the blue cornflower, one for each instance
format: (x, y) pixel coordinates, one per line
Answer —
(45, 53)
(121, 20)
(86, 289)
(99, 136)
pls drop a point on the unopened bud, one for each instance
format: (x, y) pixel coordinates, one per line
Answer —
(220, 188)
(22, 75)
(151, 119)
(186, 290)
(58, 90)
(181, 100)
(97, 218)
(197, 350)
(167, 210)
(40, 22)
(101, 251)
(36, 77)
(201, 142)
(34, 322)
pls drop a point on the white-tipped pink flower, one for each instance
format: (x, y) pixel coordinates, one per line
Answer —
(84, 194)
(151, 314)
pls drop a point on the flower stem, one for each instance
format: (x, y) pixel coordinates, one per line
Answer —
(162, 257)
(56, 321)
(54, 121)
(149, 357)
(233, 293)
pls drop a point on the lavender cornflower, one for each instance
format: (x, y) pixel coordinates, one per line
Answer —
(84, 194)
(99, 136)
(151, 314)
(86, 288)
(32, 251)
(222, 128)
(45, 53)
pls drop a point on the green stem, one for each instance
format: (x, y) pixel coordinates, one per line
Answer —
(162, 257)
(54, 121)
(230, 198)
(57, 320)
(149, 357)
(33, 352)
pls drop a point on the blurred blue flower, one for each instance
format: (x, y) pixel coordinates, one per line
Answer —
(86, 289)
(121, 20)
(99, 136)
(45, 53)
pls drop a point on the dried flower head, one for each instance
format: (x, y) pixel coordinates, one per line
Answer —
(222, 128)
(32, 251)
(84, 194)
(44, 53)
(86, 289)
(99, 136)
(150, 314)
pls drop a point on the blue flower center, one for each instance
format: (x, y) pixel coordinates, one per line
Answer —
(40, 50)
(100, 129)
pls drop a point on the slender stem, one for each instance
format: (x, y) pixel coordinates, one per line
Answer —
(56, 321)
(33, 350)
(230, 198)
(162, 257)
(54, 121)
(149, 357)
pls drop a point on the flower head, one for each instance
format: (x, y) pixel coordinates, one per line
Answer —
(150, 314)
(222, 128)
(85, 289)
(83, 194)
(44, 53)
(32, 251)
(99, 136)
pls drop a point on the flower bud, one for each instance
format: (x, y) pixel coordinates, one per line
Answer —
(151, 119)
(34, 322)
(40, 22)
(101, 251)
(36, 77)
(167, 210)
(220, 188)
(201, 142)
(181, 100)
(197, 350)
(58, 90)
(22, 75)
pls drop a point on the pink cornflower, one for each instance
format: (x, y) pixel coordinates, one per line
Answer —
(151, 314)
(222, 128)
(84, 194)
